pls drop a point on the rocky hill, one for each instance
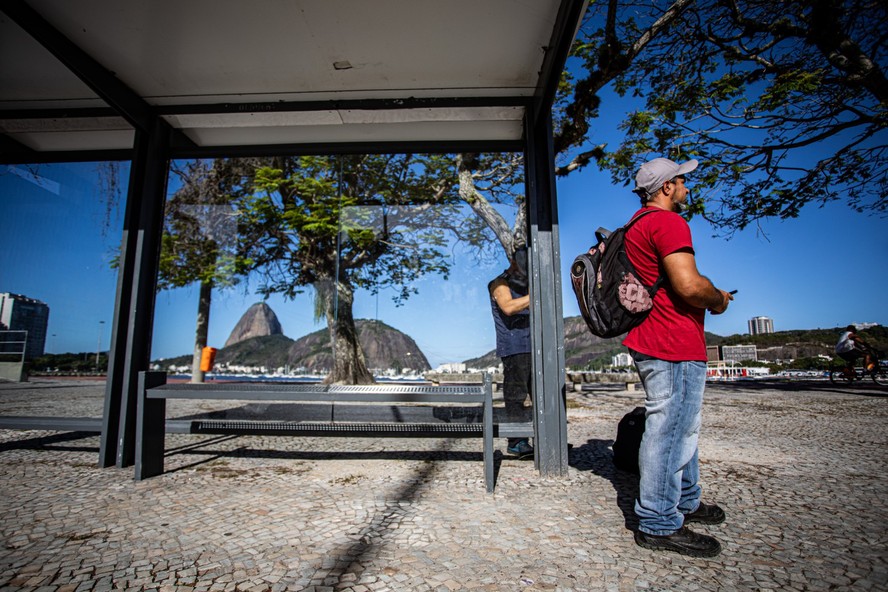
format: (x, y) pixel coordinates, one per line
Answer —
(271, 351)
(582, 349)
(258, 321)
(384, 348)
(801, 343)
(488, 360)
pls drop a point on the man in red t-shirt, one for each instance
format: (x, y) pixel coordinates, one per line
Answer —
(669, 351)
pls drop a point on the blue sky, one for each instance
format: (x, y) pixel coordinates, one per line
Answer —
(806, 273)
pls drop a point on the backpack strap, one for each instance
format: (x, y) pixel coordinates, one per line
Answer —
(640, 216)
(602, 234)
(660, 278)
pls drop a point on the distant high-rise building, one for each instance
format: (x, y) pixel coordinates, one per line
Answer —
(621, 359)
(20, 313)
(760, 325)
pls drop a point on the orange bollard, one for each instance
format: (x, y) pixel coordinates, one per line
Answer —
(207, 357)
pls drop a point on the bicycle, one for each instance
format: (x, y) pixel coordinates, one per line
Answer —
(878, 372)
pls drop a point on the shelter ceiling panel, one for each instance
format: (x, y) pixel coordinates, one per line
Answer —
(30, 76)
(345, 116)
(170, 51)
(70, 133)
(51, 141)
(393, 132)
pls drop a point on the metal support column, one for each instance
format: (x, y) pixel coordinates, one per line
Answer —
(150, 427)
(151, 165)
(547, 317)
(117, 352)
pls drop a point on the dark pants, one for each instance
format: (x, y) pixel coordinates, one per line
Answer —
(851, 356)
(516, 388)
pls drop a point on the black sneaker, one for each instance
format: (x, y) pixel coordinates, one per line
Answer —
(521, 448)
(706, 514)
(683, 541)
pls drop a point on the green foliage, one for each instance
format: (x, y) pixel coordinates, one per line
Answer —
(785, 86)
(802, 364)
(200, 235)
(876, 336)
(270, 351)
(364, 221)
(748, 88)
(83, 362)
(333, 223)
(818, 340)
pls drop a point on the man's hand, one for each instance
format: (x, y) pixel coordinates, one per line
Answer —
(726, 298)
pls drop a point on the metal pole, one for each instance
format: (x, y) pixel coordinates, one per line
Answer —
(99, 344)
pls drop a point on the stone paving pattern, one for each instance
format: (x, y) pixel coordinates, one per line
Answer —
(799, 468)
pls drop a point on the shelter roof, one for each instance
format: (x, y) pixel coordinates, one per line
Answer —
(85, 75)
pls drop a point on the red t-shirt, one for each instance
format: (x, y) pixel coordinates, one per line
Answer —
(674, 329)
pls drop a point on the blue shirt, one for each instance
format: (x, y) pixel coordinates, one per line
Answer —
(512, 332)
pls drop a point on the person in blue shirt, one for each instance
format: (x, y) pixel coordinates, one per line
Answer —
(510, 304)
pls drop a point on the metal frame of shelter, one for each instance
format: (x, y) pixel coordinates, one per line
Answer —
(157, 142)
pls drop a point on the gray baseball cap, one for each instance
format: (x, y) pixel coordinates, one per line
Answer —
(653, 174)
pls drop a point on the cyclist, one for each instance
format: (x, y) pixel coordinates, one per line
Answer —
(851, 347)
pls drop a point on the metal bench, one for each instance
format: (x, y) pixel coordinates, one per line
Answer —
(154, 392)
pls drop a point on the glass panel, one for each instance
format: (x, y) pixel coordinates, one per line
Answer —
(380, 250)
(60, 229)
(348, 268)
(412, 258)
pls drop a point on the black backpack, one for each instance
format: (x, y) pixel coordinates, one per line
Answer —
(611, 297)
(629, 433)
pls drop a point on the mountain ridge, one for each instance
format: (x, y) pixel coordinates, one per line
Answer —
(258, 340)
(385, 348)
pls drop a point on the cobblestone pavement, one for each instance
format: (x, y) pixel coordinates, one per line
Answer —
(800, 470)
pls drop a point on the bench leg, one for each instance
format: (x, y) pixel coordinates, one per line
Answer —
(150, 427)
(488, 434)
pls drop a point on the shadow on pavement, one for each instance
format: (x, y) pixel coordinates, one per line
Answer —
(373, 535)
(596, 456)
(865, 388)
(51, 443)
(204, 449)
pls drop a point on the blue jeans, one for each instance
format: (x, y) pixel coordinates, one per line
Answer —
(667, 459)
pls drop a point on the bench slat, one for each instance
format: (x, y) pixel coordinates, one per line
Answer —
(319, 393)
(341, 429)
(59, 424)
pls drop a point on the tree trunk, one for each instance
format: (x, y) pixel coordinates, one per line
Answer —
(200, 333)
(349, 366)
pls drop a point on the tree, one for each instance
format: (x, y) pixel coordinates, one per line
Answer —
(200, 243)
(785, 102)
(342, 223)
(495, 175)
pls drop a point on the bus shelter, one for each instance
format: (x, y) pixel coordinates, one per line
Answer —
(148, 82)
